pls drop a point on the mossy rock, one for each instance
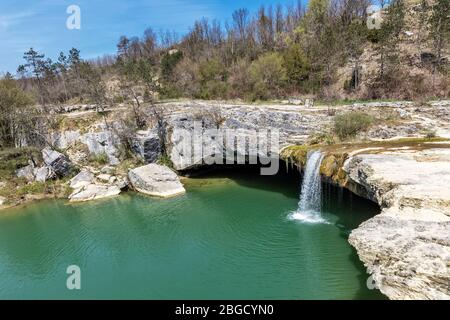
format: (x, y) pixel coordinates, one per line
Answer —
(296, 154)
(329, 166)
(332, 167)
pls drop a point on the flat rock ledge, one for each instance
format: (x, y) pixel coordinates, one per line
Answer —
(156, 180)
(406, 248)
(94, 192)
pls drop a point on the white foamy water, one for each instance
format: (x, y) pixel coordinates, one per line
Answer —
(309, 207)
(312, 217)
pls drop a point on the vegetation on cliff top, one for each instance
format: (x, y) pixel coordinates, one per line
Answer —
(325, 50)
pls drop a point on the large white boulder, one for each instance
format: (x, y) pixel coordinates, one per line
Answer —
(156, 180)
(44, 173)
(83, 179)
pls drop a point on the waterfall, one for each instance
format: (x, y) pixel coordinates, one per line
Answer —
(309, 207)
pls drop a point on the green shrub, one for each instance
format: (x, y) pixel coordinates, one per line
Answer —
(297, 65)
(321, 138)
(165, 160)
(268, 76)
(12, 159)
(351, 123)
(32, 188)
(99, 159)
(168, 63)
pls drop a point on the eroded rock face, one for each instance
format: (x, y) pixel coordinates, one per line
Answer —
(64, 139)
(409, 259)
(103, 142)
(148, 145)
(293, 127)
(407, 247)
(156, 180)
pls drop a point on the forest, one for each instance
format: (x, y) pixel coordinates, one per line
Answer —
(324, 50)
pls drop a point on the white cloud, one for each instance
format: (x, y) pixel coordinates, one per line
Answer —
(8, 20)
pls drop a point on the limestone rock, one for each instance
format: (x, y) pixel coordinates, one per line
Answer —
(44, 173)
(407, 247)
(64, 139)
(408, 259)
(26, 172)
(148, 145)
(60, 164)
(2, 201)
(121, 183)
(103, 142)
(156, 180)
(93, 192)
(107, 170)
(83, 179)
(105, 178)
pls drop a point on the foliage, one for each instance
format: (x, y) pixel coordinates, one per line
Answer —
(165, 160)
(430, 134)
(321, 138)
(322, 49)
(15, 112)
(168, 64)
(100, 159)
(268, 76)
(212, 79)
(349, 124)
(12, 159)
(296, 64)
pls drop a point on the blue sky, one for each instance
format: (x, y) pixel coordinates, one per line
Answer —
(41, 24)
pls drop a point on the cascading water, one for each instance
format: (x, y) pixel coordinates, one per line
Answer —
(309, 207)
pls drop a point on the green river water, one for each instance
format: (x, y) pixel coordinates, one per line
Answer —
(229, 237)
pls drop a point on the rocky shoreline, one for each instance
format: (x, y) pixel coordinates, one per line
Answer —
(406, 248)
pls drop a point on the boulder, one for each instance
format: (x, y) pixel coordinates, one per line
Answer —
(26, 172)
(104, 178)
(83, 179)
(107, 170)
(44, 173)
(60, 164)
(2, 201)
(93, 192)
(156, 180)
(295, 101)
